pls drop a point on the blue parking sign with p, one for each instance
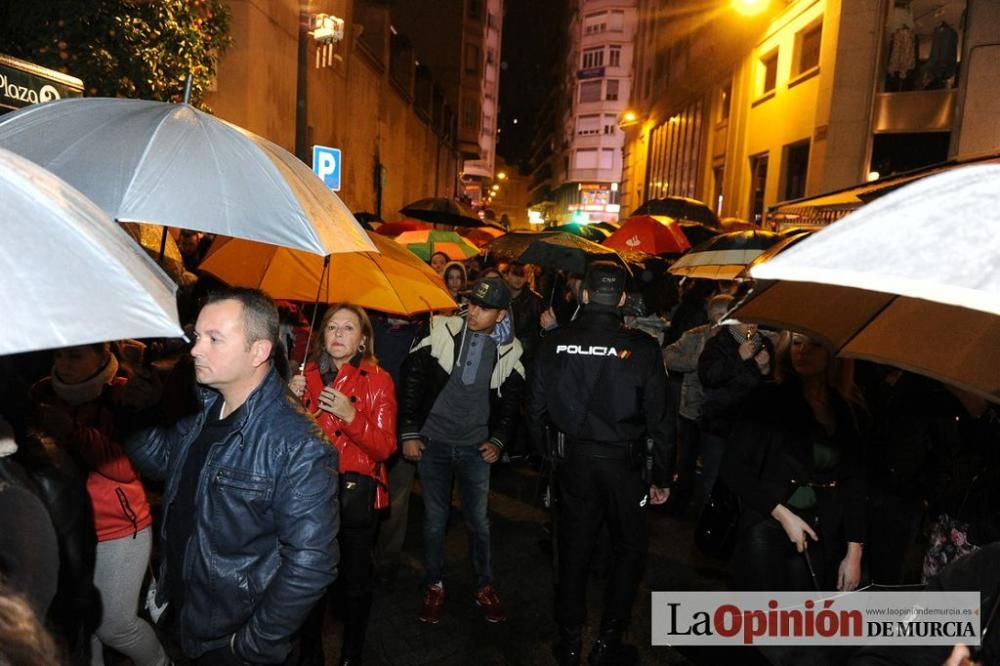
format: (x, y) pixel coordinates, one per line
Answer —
(326, 165)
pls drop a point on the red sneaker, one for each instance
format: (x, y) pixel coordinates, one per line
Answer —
(433, 601)
(488, 599)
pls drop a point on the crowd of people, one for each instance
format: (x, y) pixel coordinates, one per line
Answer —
(278, 474)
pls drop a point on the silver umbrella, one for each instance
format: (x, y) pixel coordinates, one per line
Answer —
(173, 165)
(911, 280)
(71, 275)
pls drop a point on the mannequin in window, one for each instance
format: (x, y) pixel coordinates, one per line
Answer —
(902, 60)
(943, 61)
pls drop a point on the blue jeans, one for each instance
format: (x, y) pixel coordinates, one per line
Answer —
(440, 464)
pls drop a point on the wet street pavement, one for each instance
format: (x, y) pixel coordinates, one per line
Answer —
(524, 581)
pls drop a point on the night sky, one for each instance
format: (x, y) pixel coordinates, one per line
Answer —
(532, 43)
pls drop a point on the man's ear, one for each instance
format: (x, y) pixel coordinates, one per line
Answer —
(585, 296)
(621, 301)
(260, 352)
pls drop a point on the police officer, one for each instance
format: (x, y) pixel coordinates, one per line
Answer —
(603, 388)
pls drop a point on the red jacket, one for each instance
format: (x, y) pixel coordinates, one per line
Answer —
(116, 493)
(371, 437)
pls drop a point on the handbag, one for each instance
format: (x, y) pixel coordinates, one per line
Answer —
(715, 532)
(357, 499)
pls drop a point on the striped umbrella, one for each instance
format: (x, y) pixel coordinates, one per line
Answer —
(425, 243)
(726, 256)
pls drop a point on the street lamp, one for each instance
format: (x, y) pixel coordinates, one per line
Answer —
(628, 118)
(750, 7)
(502, 175)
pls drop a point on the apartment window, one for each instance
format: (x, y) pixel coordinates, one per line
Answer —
(487, 124)
(491, 21)
(610, 124)
(475, 9)
(585, 159)
(758, 184)
(588, 125)
(725, 101)
(491, 57)
(769, 72)
(595, 23)
(807, 43)
(718, 175)
(615, 56)
(611, 93)
(607, 158)
(795, 166)
(590, 91)
(593, 58)
(470, 114)
(616, 21)
(471, 59)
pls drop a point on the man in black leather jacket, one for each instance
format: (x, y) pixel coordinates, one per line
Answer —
(250, 515)
(603, 387)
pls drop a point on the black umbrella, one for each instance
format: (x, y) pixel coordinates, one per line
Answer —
(551, 249)
(441, 210)
(589, 231)
(680, 209)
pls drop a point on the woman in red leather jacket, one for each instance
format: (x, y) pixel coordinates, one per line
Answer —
(354, 401)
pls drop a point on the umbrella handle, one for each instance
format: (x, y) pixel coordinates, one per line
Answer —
(312, 324)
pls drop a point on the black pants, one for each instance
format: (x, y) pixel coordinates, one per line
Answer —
(352, 593)
(766, 560)
(592, 491)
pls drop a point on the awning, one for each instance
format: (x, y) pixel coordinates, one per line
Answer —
(823, 209)
(23, 83)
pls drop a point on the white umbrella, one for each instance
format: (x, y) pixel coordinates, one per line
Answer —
(71, 275)
(911, 280)
(171, 164)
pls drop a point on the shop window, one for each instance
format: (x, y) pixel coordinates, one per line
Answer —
(611, 93)
(593, 58)
(795, 167)
(923, 44)
(807, 43)
(769, 72)
(758, 185)
(718, 174)
(590, 91)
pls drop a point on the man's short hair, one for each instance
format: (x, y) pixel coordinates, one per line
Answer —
(260, 314)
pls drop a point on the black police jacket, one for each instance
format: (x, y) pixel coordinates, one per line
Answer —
(264, 544)
(596, 380)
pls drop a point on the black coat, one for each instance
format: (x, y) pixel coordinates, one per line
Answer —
(727, 379)
(526, 309)
(423, 379)
(770, 446)
(597, 380)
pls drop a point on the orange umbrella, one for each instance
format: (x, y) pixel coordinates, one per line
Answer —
(425, 243)
(395, 281)
(652, 234)
(402, 226)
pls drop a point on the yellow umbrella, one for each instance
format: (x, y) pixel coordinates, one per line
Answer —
(395, 281)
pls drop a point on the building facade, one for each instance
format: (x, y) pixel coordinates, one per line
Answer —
(578, 155)
(390, 94)
(808, 97)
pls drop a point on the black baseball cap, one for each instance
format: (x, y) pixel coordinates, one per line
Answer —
(490, 293)
(605, 282)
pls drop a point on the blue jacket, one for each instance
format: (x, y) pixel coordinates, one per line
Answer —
(263, 548)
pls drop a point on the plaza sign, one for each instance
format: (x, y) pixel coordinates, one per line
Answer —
(23, 83)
